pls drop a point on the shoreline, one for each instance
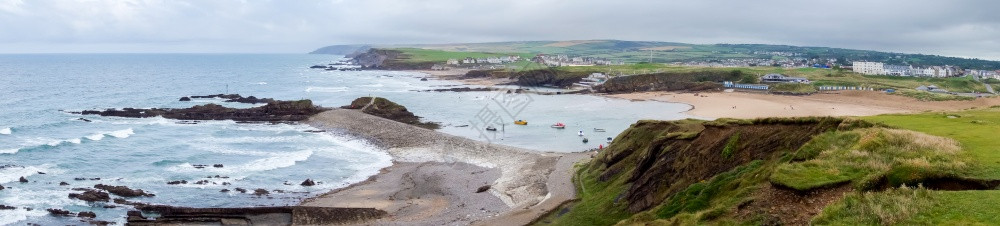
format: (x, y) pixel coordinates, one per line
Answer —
(438, 178)
(747, 105)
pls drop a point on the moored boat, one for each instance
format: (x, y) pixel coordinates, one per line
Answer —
(521, 122)
(559, 125)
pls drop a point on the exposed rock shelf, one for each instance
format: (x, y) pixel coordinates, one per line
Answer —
(274, 111)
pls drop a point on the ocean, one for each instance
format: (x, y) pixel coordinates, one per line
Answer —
(42, 142)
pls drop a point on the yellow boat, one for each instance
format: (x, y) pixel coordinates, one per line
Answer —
(521, 122)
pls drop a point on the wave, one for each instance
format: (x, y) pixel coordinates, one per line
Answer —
(261, 83)
(13, 173)
(9, 151)
(125, 133)
(5, 131)
(326, 89)
(279, 160)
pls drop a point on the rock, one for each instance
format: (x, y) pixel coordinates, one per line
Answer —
(40, 172)
(225, 183)
(224, 190)
(134, 216)
(96, 178)
(83, 119)
(177, 182)
(217, 165)
(318, 67)
(79, 178)
(273, 111)
(87, 214)
(91, 196)
(123, 191)
(260, 191)
(483, 189)
(63, 183)
(201, 182)
(423, 79)
(59, 212)
(1, 187)
(308, 182)
(22, 180)
(6, 207)
(185, 99)
(241, 190)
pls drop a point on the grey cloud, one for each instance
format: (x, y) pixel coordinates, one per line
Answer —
(957, 28)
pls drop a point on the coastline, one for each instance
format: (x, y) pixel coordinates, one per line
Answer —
(435, 177)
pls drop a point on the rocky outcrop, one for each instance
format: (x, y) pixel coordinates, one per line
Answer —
(308, 182)
(91, 196)
(276, 111)
(671, 81)
(59, 212)
(235, 98)
(384, 108)
(87, 214)
(123, 191)
(288, 215)
(22, 180)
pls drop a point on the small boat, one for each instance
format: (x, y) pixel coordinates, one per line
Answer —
(585, 140)
(559, 125)
(580, 133)
(598, 130)
(462, 126)
(521, 122)
(491, 128)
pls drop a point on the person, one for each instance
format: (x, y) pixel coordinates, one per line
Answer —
(600, 146)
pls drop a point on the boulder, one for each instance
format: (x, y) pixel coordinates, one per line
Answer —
(63, 183)
(91, 196)
(87, 214)
(241, 190)
(1, 187)
(123, 191)
(59, 212)
(224, 190)
(261, 191)
(185, 99)
(217, 165)
(22, 180)
(482, 189)
(6, 207)
(308, 182)
(177, 182)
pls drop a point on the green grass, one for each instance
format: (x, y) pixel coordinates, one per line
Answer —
(976, 130)
(890, 207)
(596, 205)
(866, 156)
(929, 96)
(796, 88)
(731, 146)
(429, 55)
(959, 208)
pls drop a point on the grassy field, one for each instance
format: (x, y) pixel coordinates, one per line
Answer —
(976, 130)
(428, 55)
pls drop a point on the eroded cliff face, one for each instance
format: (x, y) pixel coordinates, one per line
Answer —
(669, 81)
(388, 59)
(660, 158)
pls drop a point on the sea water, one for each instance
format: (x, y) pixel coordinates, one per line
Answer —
(41, 141)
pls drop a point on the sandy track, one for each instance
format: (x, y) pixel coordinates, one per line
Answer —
(433, 180)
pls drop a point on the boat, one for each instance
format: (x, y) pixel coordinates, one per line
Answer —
(598, 130)
(559, 125)
(580, 133)
(585, 140)
(521, 122)
(491, 128)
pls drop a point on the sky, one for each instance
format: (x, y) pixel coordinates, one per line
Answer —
(963, 28)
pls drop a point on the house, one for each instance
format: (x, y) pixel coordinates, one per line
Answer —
(869, 68)
(897, 70)
(469, 60)
(452, 62)
(779, 78)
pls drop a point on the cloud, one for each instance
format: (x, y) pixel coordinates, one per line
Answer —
(957, 28)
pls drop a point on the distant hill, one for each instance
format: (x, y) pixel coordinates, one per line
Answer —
(341, 49)
(666, 52)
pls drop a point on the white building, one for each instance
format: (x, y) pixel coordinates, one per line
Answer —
(452, 62)
(869, 68)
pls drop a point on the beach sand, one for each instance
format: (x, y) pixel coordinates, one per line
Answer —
(435, 175)
(843, 103)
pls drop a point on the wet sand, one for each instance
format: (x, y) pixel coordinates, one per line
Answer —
(435, 176)
(843, 103)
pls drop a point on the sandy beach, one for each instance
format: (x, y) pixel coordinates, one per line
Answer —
(435, 178)
(843, 103)
(456, 75)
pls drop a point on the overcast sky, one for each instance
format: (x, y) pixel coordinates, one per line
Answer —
(952, 28)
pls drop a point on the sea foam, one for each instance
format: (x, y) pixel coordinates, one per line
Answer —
(5, 131)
